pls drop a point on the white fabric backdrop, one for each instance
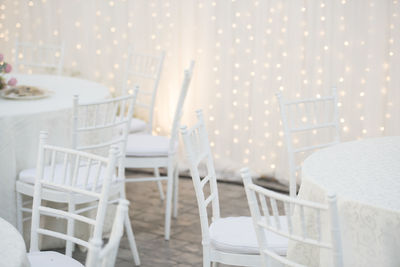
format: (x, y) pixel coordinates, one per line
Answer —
(245, 52)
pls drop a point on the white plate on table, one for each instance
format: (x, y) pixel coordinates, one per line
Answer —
(25, 92)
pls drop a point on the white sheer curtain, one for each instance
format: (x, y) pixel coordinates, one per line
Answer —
(245, 51)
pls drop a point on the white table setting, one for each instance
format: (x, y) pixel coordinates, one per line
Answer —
(22, 120)
(365, 176)
(12, 246)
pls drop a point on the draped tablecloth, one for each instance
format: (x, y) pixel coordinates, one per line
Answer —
(12, 246)
(365, 175)
(22, 120)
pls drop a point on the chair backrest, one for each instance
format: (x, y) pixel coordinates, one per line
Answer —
(179, 107)
(39, 56)
(143, 70)
(305, 118)
(260, 198)
(198, 150)
(108, 119)
(84, 175)
(106, 256)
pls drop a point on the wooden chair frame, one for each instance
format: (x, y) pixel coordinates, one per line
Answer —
(92, 122)
(290, 129)
(263, 219)
(170, 161)
(139, 65)
(198, 150)
(30, 48)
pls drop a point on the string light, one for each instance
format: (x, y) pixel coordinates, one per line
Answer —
(242, 62)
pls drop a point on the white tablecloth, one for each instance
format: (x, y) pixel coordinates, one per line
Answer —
(12, 247)
(365, 175)
(21, 121)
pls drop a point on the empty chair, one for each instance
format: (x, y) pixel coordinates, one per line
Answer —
(307, 121)
(96, 127)
(264, 219)
(97, 174)
(143, 70)
(151, 151)
(230, 240)
(41, 57)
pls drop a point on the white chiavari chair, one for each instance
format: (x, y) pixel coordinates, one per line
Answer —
(44, 57)
(229, 240)
(106, 256)
(151, 151)
(85, 178)
(96, 127)
(143, 70)
(310, 120)
(264, 219)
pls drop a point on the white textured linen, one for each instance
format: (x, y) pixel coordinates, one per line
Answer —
(365, 175)
(21, 122)
(237, 235)
(12, 246)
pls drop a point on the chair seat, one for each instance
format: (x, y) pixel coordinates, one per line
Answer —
(237, 235)
(137, 125)
(28, 175)
(51, 259)
(146, 145)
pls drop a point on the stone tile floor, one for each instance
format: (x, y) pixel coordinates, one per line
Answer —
(147, 216)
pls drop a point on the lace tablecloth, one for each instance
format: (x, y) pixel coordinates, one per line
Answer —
(12, 247)
(365, 175)
(21, 121)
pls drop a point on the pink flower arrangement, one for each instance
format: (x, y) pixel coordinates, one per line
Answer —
(5, 68)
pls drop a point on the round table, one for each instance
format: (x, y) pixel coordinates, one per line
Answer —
(22, 120)
(365, 175)
(12, 246)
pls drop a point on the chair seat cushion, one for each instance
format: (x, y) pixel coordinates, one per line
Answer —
(237, 235)
(51, 259)
(28, 175)
(146, 145)
(137, 125)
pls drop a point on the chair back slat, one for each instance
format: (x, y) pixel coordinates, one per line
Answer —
(179, 107)
(70, 183)
(288, 210)
(106, 120)
(307, 220)
(197, 148)
(304, 119)
(39, 56)
(143, 70)
(265, 211)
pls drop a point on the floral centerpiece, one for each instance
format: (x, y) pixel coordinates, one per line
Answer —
(5, 68)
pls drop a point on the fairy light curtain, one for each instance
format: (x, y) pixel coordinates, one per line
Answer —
(245, 51)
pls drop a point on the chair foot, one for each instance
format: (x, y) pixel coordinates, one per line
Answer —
(131, 239)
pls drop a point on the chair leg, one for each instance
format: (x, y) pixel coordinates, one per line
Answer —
(176, 190)
(20, 224)
(168, 203)
(206, 257)
(131, 239)
(69, 248)
(159, 184)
